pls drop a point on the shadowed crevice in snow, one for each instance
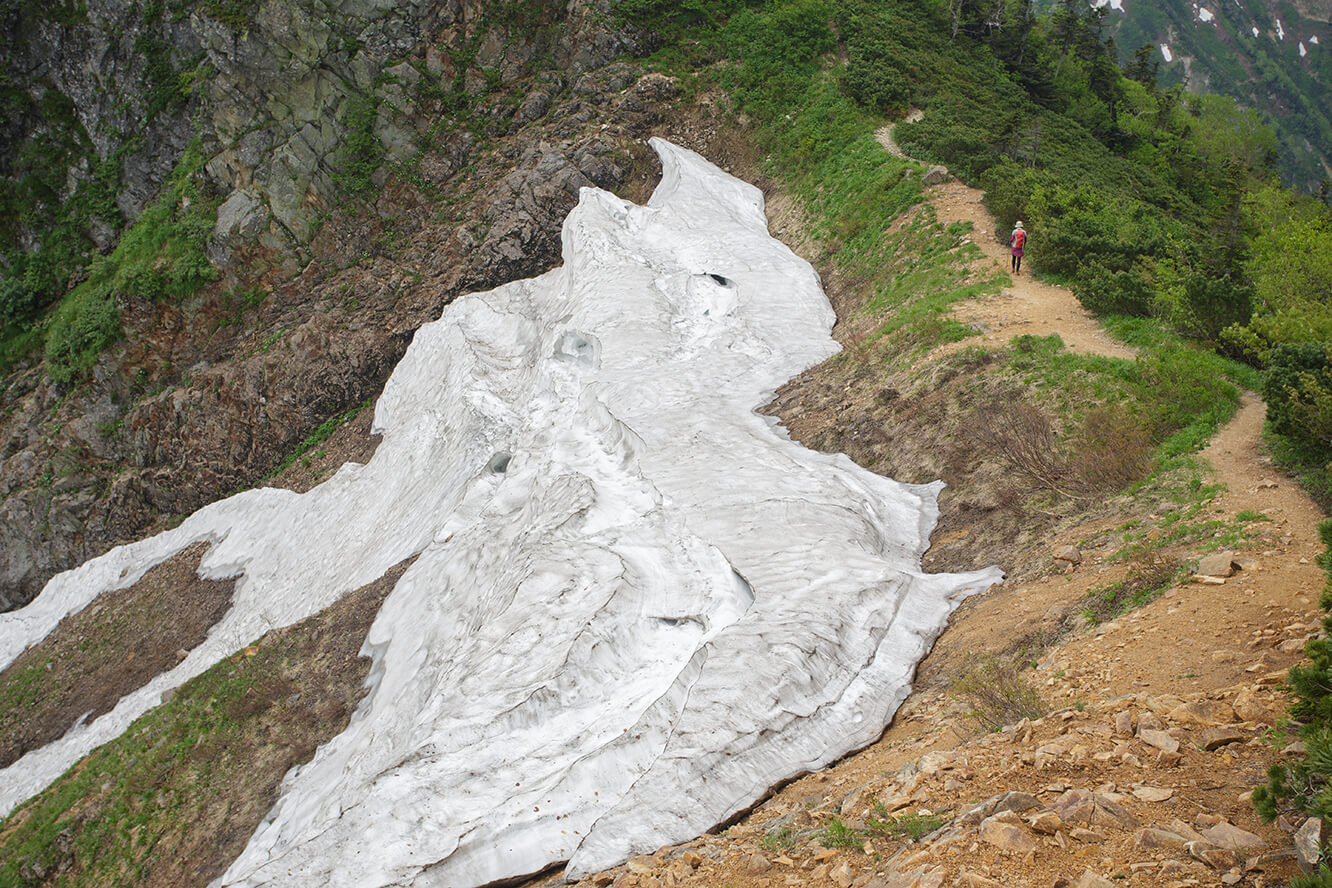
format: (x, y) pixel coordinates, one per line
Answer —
(656, 608)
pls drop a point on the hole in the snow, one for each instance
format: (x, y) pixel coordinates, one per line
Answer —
(721, 281)
(577, 348)
(674, 622)
(499, 463)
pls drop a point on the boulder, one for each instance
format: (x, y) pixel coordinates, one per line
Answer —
(1215, 738)
(1251, 707)
(1045, 822)
(1068, 554)
(1160, 739)
(1157, 839)
(935, 175)
(1018, 802)
(1219, 564)
(1204, 713)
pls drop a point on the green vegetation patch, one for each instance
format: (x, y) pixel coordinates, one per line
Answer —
(162, 257)
(996, 693)
(113, 647)
(1301, 783)
(319, 436)
(175, 798)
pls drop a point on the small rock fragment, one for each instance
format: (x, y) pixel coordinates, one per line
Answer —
(1309, 844)
(1045, 822)
(1160, 739)
(1005, 836)
(1144, 793)
(1214, 738)
(1092, 879)
(1153, 839)
(757, 863)
(1227, 835)
(976, 880)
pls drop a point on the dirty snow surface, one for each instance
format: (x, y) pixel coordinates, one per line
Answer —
(638, 604)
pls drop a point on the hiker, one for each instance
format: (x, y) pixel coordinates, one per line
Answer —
(1017, 241)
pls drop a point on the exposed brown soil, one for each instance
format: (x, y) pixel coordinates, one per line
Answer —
(1027, 305)
(114, 646)
(206, 766)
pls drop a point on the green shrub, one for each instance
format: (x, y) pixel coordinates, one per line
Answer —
(873, 80)
(997, 693)
(1298, 391)
(1303, 783)
(837, 834)
(1112, 291)
(911, 826)
(83, 325)
(1203, 306)
(362, 152)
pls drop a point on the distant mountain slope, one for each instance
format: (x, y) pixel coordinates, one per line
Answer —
(1272, 55)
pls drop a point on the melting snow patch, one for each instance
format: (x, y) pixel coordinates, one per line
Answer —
(1314, 40)
(1205, 14)
(1281, 32)
(1165, 52)
(1303, 51)
(1117, 5)
(1255, 31)
(637, 604)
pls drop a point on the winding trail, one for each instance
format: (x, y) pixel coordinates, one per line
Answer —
(1207, 626)
(1026, 305)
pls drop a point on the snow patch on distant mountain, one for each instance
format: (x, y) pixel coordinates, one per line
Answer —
(1166, 53)
(1281, 32)
(1117, 5)
(1204, 14)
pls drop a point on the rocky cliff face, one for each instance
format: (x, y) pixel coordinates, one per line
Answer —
(368, 162)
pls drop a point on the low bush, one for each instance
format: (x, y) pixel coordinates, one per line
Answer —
(1147, 578)
(84, 324)
(996, 693)
(1298, 391)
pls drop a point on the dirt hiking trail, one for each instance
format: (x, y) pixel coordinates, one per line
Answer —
(1026, 305)
(1162, 720)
